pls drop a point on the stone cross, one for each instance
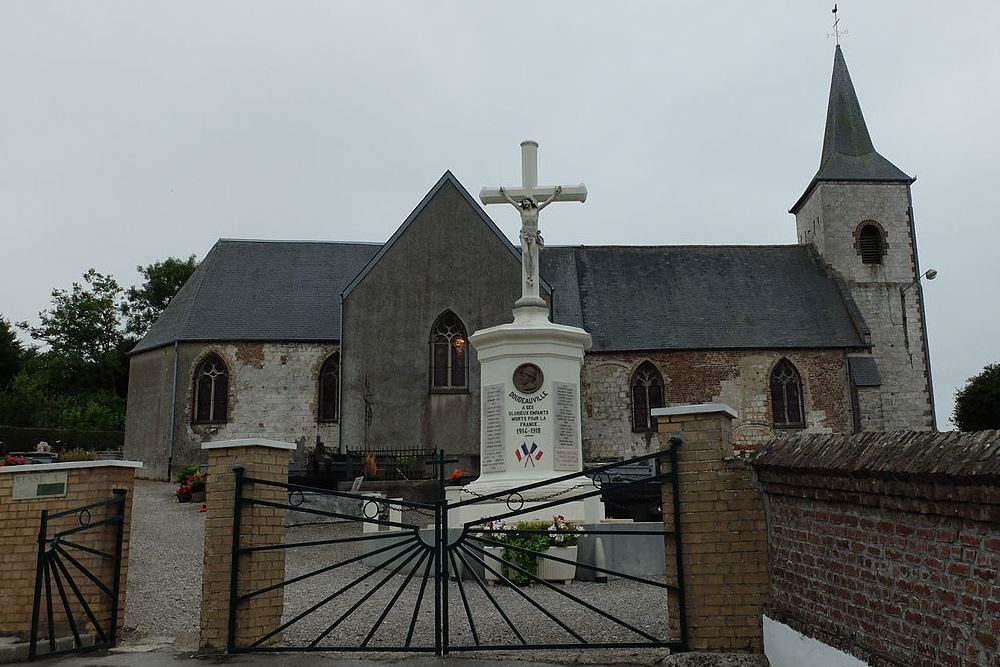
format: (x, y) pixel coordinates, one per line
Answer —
(529, 199)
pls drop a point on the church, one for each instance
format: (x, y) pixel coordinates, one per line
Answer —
(364, 346)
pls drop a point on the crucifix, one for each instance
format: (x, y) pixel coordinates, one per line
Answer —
(529, 199)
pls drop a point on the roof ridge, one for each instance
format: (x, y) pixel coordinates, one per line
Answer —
(317, 241)
(681, 245)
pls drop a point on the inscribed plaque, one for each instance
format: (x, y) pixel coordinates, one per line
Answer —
(493, 448)
(566, 445)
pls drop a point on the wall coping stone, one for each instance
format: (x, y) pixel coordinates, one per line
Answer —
(694, 409)
(250, 442)
(957, 456)
(70, 465)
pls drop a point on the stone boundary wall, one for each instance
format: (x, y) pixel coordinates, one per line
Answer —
(887, 545)
(86, 482)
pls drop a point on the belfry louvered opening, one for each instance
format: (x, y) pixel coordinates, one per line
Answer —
(871, 244)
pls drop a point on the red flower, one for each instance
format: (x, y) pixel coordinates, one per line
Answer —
(456, 475)
(11, 460)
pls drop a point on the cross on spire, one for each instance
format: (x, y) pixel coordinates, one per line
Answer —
(836, 26)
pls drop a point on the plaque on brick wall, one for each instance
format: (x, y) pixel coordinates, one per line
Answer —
(493, 449)
(566, 445)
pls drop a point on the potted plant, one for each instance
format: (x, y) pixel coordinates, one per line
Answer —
(197, 483)
(562, 544)
(192, 486)
(559, 541)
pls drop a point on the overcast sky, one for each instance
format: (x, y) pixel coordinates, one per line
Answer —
(132, 131)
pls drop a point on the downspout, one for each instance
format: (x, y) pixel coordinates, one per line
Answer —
(173, 419)
(340, 381)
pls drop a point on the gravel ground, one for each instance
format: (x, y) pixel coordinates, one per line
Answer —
(639, 605)
(165, 561)
(164, 592)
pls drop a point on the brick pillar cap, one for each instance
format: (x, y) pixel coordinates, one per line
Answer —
(249, 442)
(697, 408)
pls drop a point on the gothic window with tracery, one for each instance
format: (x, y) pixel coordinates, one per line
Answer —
(211, 391)
(449, 350)
(647, 393)
(786, 396)
(329, 388)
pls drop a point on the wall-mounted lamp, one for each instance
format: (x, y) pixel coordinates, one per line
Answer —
(930, 274)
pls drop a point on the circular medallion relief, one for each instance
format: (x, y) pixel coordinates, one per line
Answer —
(528, 378)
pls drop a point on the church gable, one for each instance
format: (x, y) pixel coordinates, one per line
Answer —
(447, 257)
(432, 199)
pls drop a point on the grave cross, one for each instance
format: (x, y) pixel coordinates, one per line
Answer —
(529, 199)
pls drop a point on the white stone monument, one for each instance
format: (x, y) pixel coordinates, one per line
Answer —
(530, 369)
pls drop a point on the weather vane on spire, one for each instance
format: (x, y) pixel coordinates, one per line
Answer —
(836, 26)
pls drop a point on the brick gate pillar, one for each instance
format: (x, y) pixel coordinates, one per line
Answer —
(723, 530)
(259, 526)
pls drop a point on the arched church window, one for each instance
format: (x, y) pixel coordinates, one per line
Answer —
(449, 351)
(786, 396)
(211, 391)
(329, 388)
(871, 243)
(647, 393)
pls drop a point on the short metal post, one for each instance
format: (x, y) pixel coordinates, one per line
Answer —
(39, 569)
(120, 495)
(234, 559)
(678, 542)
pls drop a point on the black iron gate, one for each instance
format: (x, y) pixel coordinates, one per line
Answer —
(474, 573)
(79, 551)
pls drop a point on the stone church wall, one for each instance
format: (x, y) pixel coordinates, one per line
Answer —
(739, 378)
(829, 219)
(273, 393)
(148, 420)
(388, 319)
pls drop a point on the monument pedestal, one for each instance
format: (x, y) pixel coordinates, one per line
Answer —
(530, 395)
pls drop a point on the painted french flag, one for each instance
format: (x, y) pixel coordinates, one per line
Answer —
(526, 454)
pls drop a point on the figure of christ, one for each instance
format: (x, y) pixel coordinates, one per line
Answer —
(531, 237)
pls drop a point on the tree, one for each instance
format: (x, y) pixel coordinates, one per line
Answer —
(83, 323)
(11, 352)
(977, 404)
(162, 282)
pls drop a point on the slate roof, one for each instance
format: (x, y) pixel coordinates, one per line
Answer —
(628, 297)
(848, 151)
(864, 370)
(698, 297)
(262, 290)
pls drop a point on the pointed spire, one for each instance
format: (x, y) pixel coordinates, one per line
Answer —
(848, 151)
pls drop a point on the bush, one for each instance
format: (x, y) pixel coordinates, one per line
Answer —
(76, 455)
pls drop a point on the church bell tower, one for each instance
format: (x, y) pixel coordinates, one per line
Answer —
(857, 212)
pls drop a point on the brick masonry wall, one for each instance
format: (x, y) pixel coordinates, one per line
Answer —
(260, 526)
(19, 525)
(739, 378)
(881, 560)
(723, 535)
